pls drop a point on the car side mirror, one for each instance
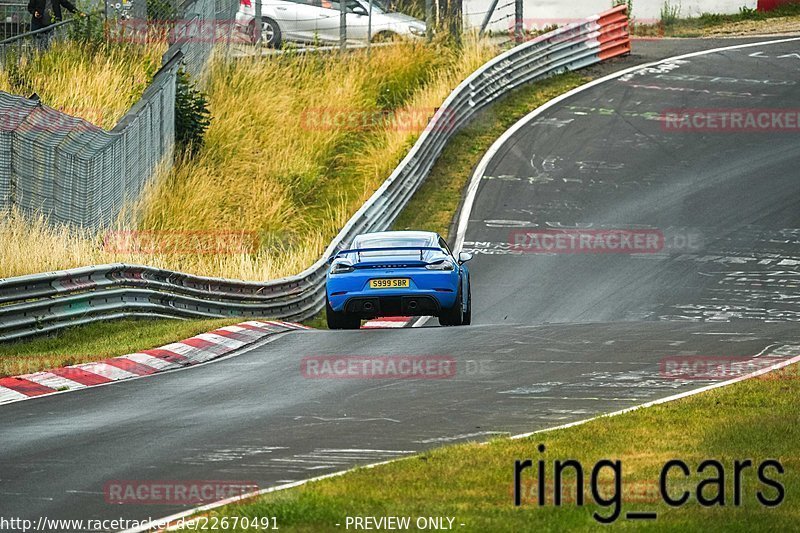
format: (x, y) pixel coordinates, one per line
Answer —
(463, 257)
(360, 11)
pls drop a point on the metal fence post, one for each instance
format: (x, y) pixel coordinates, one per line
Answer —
(518, 23)
(456, 19)
(429, 20)
(342, 25)
(488, 17)
(369, 26)
(257, 22)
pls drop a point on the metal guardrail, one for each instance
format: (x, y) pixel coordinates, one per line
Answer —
(47, 302)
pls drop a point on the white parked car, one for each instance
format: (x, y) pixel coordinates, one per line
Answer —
(317, 21)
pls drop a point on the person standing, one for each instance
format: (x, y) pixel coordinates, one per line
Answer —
(46, 12)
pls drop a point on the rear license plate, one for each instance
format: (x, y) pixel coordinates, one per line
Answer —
(402, 283)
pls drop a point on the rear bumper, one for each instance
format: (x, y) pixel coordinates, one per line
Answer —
(243, 20)
(408, 305)
(430, 292)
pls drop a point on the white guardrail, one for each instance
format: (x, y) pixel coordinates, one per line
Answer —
(47, 302)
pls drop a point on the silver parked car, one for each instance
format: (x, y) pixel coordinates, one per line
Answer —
(317, 21)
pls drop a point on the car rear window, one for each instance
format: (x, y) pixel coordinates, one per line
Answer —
(407, 242)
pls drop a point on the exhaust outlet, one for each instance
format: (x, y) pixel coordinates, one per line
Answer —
(368, 306)
(412, 304)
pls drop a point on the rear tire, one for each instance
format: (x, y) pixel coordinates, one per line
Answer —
(340, 320)
(468, 315)
(270, 33)
(453, 316)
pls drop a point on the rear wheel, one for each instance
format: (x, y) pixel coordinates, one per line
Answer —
(340, 320)
(468, 314)
(455, 315)
(270, 33)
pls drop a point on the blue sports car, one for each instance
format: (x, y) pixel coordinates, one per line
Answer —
(398, 273)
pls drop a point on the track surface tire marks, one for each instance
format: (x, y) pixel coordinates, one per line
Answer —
(727, 203)
(254, 416)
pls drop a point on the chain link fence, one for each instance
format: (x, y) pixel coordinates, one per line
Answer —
(16, 49)
(75, 172)
(196, 28)
(15, 17)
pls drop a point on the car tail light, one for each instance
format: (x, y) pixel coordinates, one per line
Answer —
(341, 267)
(440, 265)
(245, 3)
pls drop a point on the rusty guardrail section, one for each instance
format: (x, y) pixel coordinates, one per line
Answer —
(46, 302)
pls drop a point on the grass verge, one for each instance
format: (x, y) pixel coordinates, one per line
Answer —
(784, 18)
(472, 483)
(94, 342)
(96, 82)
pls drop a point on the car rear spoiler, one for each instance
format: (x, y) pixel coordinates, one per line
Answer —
(359, 251)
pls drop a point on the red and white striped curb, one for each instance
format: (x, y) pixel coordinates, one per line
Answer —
(388, 322)
(198, 349)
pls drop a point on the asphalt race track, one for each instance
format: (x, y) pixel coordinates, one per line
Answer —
(558, 337)
(726, 203)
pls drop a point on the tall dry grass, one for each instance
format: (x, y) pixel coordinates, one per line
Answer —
(96, 83)
(267, 169)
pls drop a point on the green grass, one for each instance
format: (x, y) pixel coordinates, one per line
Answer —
(757, 420)
(434, 205)
(317, 321)
(673, 25)
(94, 342)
